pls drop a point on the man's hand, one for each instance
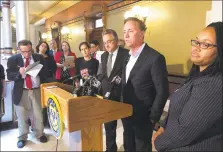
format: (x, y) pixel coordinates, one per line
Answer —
(159, 132)
(22, 70)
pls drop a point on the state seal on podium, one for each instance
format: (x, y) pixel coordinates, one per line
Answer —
(55, 116)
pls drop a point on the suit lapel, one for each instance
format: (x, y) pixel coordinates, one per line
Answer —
(20, 61)
(139, 62)
(116, 64)
(105, 65)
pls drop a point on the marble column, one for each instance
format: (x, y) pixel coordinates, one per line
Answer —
(7, 30)
(22, 20)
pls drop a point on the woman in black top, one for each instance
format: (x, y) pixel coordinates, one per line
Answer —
(2, 81)
(49, 62)
(195, 121)
(86, 65)
(2, 85)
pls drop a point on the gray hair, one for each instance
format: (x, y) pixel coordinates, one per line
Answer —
(112, 32)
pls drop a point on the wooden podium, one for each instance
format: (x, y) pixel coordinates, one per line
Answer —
(83, 116)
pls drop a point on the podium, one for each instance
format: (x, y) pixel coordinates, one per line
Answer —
(83, 116)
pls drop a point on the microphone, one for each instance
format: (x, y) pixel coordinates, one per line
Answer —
(74, 77)
(71, 78)
(115, 81)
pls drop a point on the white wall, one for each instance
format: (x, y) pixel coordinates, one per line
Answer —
(215, 14)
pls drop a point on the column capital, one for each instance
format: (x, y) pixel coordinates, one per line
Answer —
(6, 4)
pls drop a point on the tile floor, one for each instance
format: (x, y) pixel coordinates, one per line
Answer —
(9, 139)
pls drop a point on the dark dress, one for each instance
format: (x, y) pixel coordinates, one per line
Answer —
(2, 77)
(50, 66)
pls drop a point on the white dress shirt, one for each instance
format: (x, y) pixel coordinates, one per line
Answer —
(114, 56)
(132, 60)
(98, 55)
(35, 80)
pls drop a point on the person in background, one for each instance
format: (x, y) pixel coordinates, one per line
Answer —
(195, 119)
(86, 65)
(145, 87)
(111, 66)
(95, 50)
(53, 47)
(2, 85)
(121, 43)
(49, 63)
(65, 70)
(50, 67)
(26, 92)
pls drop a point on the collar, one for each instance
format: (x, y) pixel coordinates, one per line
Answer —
(115, 52)
(138, 51)
(30, 58)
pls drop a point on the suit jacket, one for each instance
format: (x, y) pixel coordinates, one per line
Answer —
(147, 88)
(116, 71)
(13, 74)
(195, 118)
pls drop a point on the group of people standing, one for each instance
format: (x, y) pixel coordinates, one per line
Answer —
(194, 119)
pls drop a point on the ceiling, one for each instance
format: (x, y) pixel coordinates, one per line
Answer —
(46, 9)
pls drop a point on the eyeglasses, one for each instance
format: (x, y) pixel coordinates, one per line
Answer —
(202, 45)
(108, 42)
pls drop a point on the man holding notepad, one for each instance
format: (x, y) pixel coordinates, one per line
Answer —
(26, 91)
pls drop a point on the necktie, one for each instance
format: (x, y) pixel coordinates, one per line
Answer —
(109, 65)
(28, 77)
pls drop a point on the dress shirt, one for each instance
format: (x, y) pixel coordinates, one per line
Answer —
(114, 56)
(35, 80)
(132, 60)
(98, 55)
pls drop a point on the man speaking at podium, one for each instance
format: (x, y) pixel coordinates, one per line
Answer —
(26, 92)
(111, 66)
(145, 87)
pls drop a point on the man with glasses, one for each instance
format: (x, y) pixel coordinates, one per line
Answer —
(53, 47)
(111, 65)
(26, 92)
(95, 50)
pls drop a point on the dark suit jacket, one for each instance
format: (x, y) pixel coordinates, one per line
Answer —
(195, 118)
(13, 74)
(116, 71)
(147, 88)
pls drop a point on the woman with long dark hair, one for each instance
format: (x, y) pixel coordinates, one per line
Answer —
(49, 63)
(194, 121)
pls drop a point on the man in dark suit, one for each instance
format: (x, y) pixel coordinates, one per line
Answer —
(111, 66)
(145, 87)
(26, 92)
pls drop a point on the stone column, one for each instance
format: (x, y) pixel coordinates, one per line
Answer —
(7, 30)
(22, 20)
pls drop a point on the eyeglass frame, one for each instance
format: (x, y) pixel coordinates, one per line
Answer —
(108, 42)
(199, 44)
